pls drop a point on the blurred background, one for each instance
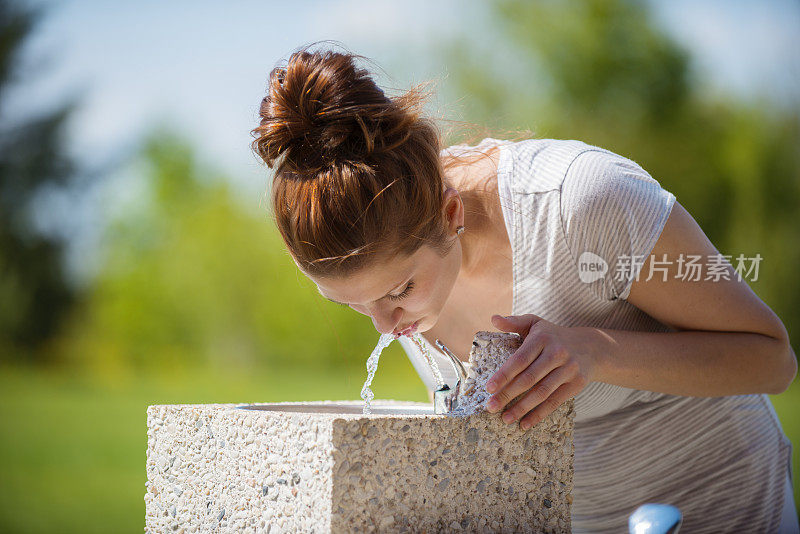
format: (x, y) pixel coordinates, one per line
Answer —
(138, 262)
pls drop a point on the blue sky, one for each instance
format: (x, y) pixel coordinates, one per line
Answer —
(203, 67)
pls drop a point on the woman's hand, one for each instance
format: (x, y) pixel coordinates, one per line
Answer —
(554, 362)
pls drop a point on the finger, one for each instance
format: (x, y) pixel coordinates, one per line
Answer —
(559, 397)
(525, 354)
(541, 366)
(521, 324)
(537, 395)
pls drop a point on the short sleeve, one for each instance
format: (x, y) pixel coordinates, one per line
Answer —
(612, 213)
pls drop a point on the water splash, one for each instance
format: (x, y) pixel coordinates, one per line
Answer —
(423, 348)
(372, 365)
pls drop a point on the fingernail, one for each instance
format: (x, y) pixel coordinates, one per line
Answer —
(492, 405)
(524, 426)
(491, 387)
(508, 418)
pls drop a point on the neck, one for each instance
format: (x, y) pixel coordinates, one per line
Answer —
(475, 178)
(480, 239)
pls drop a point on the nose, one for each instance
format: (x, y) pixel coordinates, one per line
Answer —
(386, 319)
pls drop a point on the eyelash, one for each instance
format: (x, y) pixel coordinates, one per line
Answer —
(405, 292)
(402, 295)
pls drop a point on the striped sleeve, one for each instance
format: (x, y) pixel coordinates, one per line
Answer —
(612, 213)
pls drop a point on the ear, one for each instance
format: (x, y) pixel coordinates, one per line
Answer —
(453, 209)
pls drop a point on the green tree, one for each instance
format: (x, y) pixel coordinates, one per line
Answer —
(191, 277)
(603, 72)
(35, 294)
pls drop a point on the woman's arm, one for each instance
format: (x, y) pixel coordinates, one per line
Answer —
(729, 342)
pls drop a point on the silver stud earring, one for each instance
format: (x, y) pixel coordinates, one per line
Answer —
(459, 230)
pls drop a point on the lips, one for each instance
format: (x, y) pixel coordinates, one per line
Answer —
(407, 330)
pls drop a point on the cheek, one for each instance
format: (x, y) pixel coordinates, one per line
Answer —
(431, 296)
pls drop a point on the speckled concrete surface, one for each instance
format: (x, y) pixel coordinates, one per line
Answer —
(325, 467)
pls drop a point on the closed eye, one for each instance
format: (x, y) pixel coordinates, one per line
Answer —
(402, 295)
(405, 292)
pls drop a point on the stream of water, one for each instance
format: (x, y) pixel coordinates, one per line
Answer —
(372, 365)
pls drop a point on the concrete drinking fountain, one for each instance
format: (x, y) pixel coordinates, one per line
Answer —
(329, 467)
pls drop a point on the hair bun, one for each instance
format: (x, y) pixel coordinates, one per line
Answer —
(320, 108)
(359, 176)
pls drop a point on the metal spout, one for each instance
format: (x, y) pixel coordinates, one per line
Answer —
(445, 399)
(454, 361)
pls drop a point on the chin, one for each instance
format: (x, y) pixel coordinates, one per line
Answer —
(423, 326)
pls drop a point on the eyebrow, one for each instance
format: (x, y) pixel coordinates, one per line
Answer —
(383, 297)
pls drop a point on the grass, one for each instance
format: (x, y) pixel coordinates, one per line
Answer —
(72, 448)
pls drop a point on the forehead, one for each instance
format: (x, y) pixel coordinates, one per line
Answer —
(373, 283)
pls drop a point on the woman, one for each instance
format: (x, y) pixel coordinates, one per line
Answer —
(669, 375)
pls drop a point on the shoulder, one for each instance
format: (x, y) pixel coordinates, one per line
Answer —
(597, 162)
(600, 179)
(540, 165)
(533, 165)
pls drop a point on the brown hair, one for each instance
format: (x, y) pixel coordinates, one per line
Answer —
(358, 174)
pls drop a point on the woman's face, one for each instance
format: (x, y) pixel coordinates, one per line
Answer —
(399, 292)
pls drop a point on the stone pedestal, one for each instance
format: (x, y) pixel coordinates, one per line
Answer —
(325, 467)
